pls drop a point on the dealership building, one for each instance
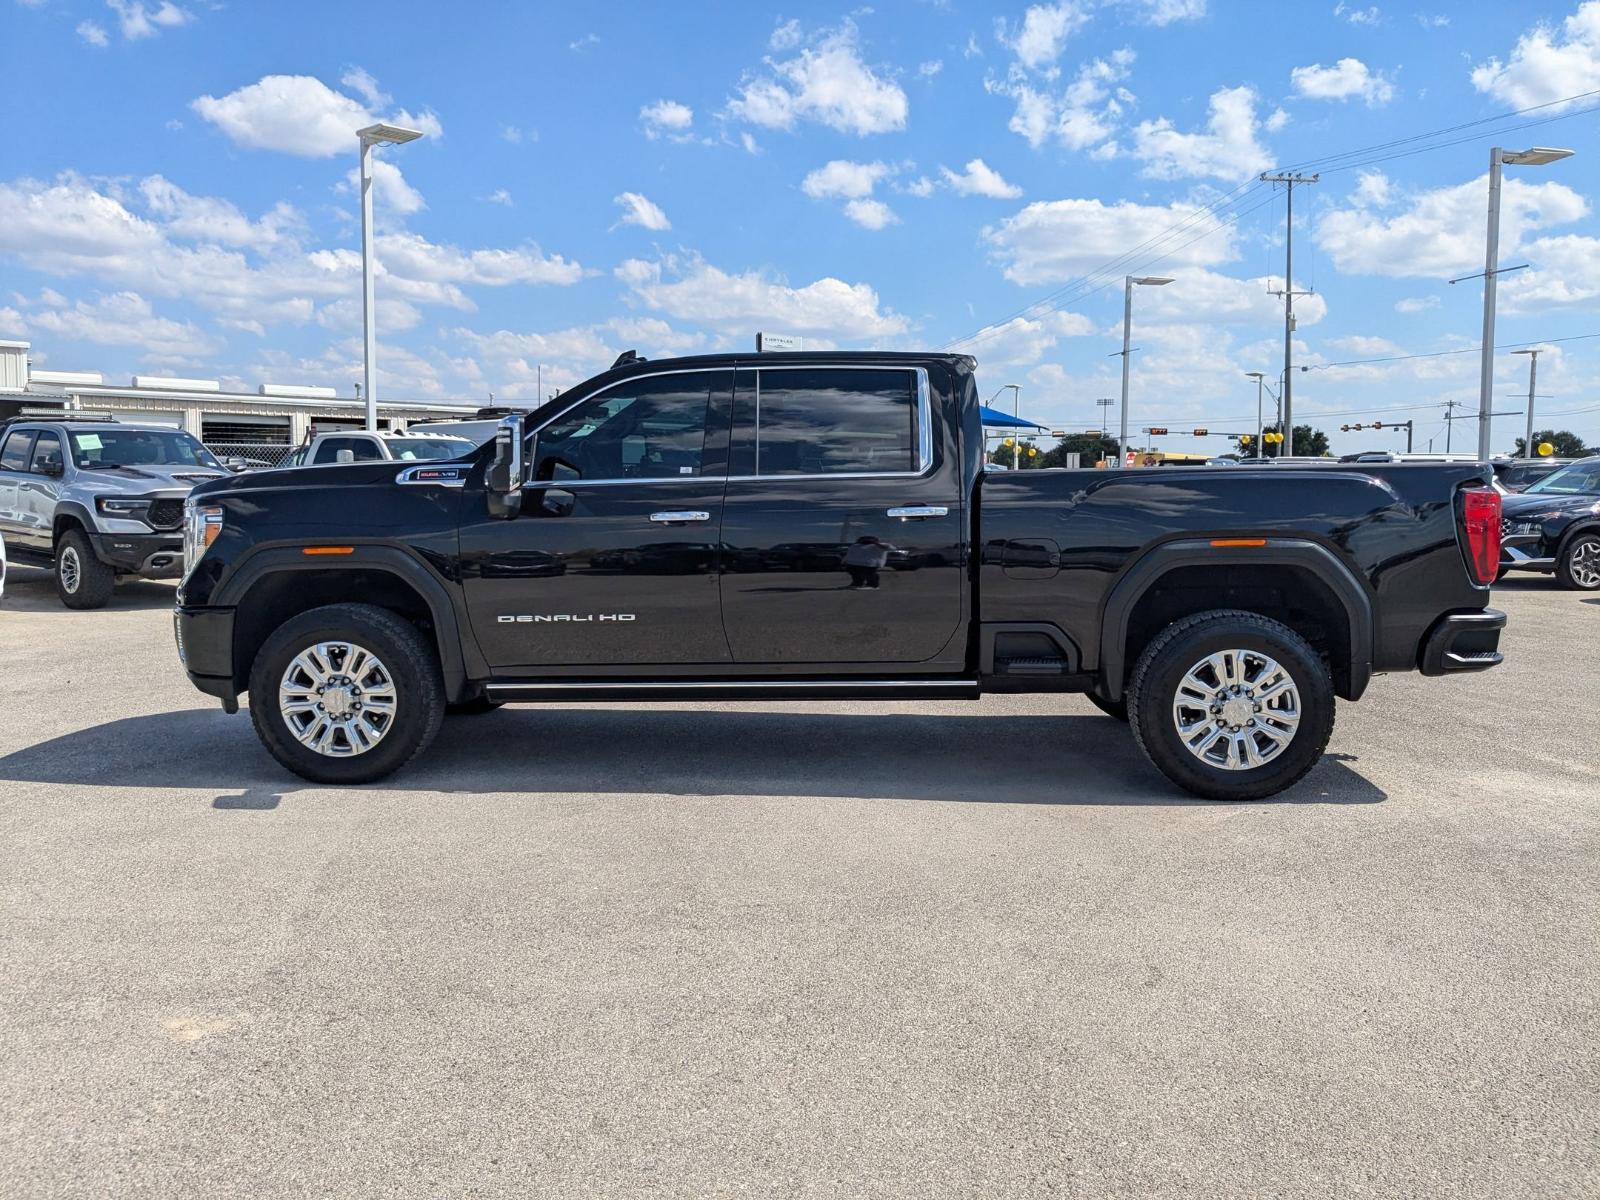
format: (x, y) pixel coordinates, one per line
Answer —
(265, 424)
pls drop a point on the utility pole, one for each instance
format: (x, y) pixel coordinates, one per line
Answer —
(1288, 295)
(1533, 374)
(1450, 407)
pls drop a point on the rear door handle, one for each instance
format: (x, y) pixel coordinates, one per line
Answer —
(919, 512)
(679, 518)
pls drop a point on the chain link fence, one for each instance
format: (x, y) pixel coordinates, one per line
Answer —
(260, 455)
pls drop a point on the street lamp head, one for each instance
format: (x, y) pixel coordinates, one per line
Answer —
(1152, 280)
(1524, 352)
(1255, 374)
(1535, 157)
(393, 135)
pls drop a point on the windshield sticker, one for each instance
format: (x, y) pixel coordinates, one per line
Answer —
(89, 441)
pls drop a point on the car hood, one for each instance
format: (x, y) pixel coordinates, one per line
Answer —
(136, 481)
(1526, 506)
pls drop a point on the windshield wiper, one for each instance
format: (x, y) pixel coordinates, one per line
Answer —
(100, 466)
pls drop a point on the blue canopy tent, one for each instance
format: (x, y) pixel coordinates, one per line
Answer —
(993, 418)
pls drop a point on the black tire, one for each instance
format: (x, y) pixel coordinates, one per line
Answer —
(91, 580)
(407, 658)
(475, 707)
(1569, 573)
(1117, 709)
(1183, 644)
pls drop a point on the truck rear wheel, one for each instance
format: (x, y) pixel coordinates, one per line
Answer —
(348, 693)
(82, 580)
(1231, 705)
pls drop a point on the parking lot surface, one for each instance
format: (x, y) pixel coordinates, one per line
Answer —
(833, 949)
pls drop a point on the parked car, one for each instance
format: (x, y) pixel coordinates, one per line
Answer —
(361, 445)
(97, 499)
(1221, 613)
(1554, 527)
(1518, 474)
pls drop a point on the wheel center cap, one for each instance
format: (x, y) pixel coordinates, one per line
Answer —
(1237, 711)
(336, 700)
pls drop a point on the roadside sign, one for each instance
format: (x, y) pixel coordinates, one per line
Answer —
(1133, 457)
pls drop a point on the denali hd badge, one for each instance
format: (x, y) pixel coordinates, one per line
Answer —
(535, 618)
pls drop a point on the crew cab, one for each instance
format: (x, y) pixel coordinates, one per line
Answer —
(362, 445)
(808, 525)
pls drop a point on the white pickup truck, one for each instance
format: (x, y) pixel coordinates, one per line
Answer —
(361, 445)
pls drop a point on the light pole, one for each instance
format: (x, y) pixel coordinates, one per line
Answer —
(372, 135)
(1538, 156)
(1533, 375)
(1127, 326)
(1261, 382)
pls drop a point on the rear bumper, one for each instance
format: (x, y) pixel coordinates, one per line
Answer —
(150, 556)
(205, 648)
(1463, 641)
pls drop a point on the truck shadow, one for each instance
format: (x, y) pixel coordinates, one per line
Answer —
(559, 751)
(33, 589)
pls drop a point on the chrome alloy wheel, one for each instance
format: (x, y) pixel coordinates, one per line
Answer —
(338, 699)
(70, 570)
(1236, 709)
(1584, 564)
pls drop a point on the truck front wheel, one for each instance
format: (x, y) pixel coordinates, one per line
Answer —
(348, 693)
(1231, 705)
(82, 580)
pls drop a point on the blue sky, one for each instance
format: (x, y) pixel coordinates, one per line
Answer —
(673, 178)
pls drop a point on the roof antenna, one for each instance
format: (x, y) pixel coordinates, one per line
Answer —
(627, 358)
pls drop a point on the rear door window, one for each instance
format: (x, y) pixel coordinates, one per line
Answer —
(47, 453)
(827, 421)
(14, 454)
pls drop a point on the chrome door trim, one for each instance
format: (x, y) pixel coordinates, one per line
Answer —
(679, 518)
(919, 512)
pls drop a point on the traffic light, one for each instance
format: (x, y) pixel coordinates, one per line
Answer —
(1032, 452)
(1200, 433)
(1377, 424)
(1272, 439)
(1008, 442)
(1247, 438)
(1158, 430)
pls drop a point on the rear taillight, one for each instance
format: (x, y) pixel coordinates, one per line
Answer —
(1480, 521)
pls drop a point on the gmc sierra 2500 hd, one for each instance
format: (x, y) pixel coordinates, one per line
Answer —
(802, 526)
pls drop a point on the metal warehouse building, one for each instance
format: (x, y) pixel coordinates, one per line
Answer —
(265, 424)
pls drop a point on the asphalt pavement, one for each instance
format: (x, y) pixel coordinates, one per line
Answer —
(880, 950)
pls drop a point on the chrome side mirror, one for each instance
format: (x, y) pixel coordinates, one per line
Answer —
(503, 482)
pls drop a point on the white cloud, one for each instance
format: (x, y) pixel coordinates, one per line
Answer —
(93, 33)
(921, 187)
(1023, 341)
(120, 319)
(298, 114)
(1227, 148)
(1546, 64)
(1051, 241)
(1416, 304)
(579, 45)
(1440, 231)
(391, 193)
(209, 219)
(1347, 78)
(1357, 16)
(393, 315)
(1566, 274)
(787, 35)
(1083, 115)
(691, 289)
(640, 211)
(516, 135)
(412, 257)
(669, 118)
(980, 179)
(359, 80)
(1276, 121)
(842, 179)
(1038, 40)
(826, 82)
(1197, 295)
(138, 20)
(1165, 12)
(930, 68)
(870, 214)
(501, 196)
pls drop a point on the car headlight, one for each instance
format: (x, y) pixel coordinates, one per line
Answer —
(117, 506)
(201, 524)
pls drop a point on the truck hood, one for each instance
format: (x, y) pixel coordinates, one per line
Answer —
(361, 474)
(136, 481)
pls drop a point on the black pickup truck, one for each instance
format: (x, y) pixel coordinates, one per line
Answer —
(805, 526)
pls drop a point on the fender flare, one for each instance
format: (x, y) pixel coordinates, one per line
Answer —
(1145, 571)
(1577, 529)
(78, 512)
(446, 629)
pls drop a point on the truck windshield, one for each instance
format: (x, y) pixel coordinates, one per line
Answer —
(140, 448)
(429, 447)
(1579, 479)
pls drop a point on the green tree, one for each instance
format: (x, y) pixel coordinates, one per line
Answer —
(1006, 456)
(1308, 441)
(1567, 444)
(1089, 450)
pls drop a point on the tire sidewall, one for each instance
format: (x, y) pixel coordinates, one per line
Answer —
(95, 579)
(418, 693)
(1158, 685)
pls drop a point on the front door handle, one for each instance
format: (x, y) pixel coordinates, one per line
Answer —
(679, 518)
(919, 512)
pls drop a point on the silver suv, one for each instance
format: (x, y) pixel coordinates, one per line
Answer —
(97, 498)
